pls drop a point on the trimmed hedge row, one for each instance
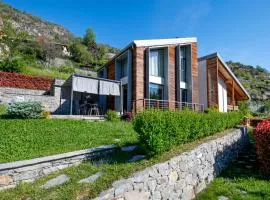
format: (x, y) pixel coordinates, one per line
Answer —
(16, 80)
(159, 131)
(262, 142)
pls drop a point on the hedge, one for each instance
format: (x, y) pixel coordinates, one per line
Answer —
(159, 130)
(16, 80)
(262, 142)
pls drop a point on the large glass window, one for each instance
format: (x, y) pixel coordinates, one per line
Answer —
(101, 74)
(123, 67)
(156, 91)
(157, 62)
(184, 95)
(183, 65)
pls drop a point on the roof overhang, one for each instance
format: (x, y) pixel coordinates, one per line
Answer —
(160, 42)
(152, 42)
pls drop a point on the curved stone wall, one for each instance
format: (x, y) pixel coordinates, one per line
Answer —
(183, 176)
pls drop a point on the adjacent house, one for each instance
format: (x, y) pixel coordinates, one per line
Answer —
(160, 73)
(218, 86)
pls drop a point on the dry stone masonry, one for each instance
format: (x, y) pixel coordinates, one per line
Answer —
(11, 174)
(183, 176)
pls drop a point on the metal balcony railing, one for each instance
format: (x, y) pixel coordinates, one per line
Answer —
(167, 105)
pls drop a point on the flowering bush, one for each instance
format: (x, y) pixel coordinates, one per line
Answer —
(127, 116)
(24, 81)
(262, 142)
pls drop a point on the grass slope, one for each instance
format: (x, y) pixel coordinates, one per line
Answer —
(118, 168)
(26, 139)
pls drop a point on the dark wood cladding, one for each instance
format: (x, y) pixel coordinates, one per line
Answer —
(195, 82)
(138, 77)
(212, 82)
(172, 75)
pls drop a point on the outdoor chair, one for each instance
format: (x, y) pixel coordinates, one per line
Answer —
(94, 110)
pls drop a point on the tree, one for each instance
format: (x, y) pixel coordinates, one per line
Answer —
(89, 38)
(80, 53)
(261, 69)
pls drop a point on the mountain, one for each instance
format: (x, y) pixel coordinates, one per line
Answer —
(255, 79)
(43, 48)
(33, 25)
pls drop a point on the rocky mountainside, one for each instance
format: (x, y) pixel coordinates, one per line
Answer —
(33, 25)
(255, 79)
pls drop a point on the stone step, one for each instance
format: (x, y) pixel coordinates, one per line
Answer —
(136, 158)
(59, 180)
(91, 178)
(129, 148)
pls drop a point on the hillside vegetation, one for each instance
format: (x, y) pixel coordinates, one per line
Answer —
(255, 79)
(34, 46)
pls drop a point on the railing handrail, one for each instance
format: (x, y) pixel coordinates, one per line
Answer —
(167, 104)
(168, 101)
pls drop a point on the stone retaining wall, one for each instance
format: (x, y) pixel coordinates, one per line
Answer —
(13, 173)
(182, 176)
(51, 101)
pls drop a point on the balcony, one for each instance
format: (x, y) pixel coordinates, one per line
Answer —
(168, 105)
(232, 108)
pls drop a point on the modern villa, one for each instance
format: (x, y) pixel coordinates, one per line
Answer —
(155, 73)
(166, 74)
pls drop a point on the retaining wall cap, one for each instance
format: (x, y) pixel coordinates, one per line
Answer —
(23, 163)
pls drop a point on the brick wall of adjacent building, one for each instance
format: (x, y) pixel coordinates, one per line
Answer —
(212, 82)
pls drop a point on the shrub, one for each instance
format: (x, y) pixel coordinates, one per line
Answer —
(262, 142)
(127, 116)
(25, 110)
(11, 65)
(3, 110)
(112, 116)
(159, 131)
(46, 115)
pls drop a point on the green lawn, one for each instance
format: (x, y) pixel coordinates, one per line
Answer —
(242, 180)
(116, 169)
(46, 72)
(26, 139)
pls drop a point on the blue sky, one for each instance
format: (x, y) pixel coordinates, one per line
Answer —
(238, 29)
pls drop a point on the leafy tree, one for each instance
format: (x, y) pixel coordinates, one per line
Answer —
(89, 38)
(80, 53)
(13, 38)
(261, 69)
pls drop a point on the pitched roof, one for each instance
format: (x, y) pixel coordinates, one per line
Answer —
(216, 54)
